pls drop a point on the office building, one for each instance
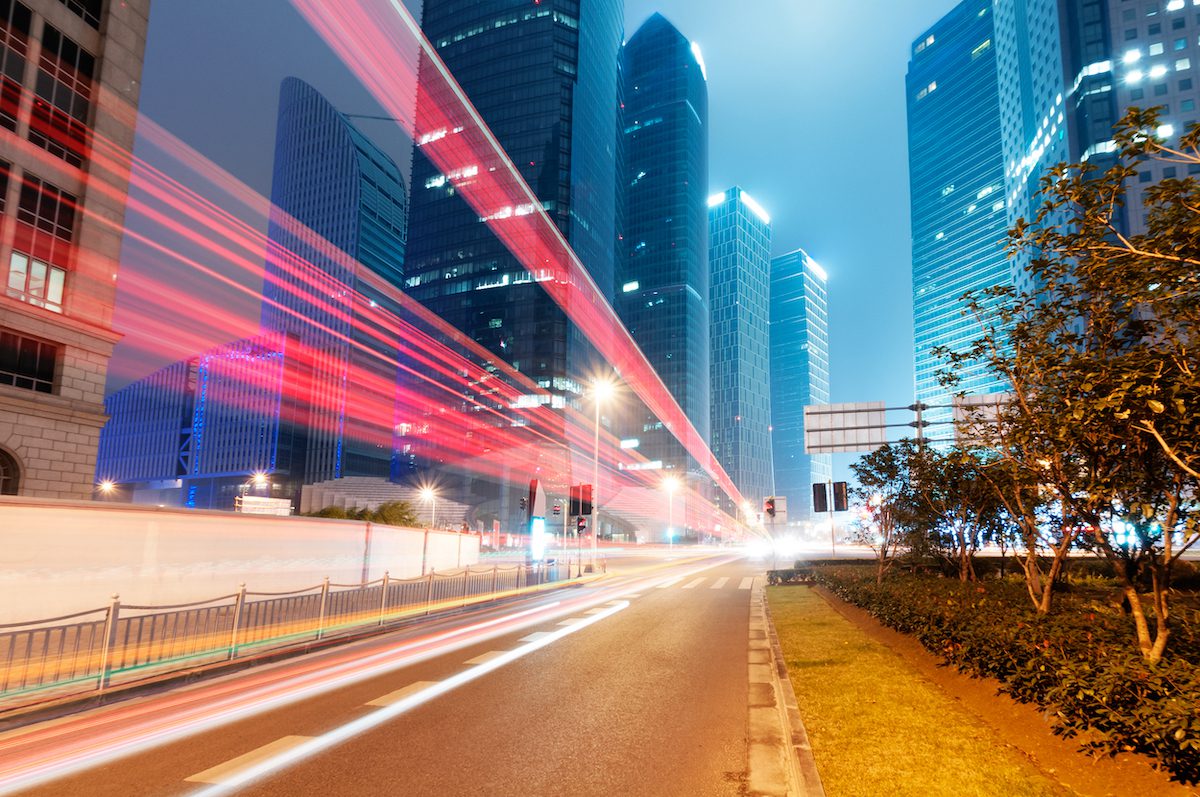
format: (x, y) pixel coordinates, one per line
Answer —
(70, 75)
(663, 278)
(799, 375)
(312, 397)
(740, 259)
(959, 213)
(544, 78)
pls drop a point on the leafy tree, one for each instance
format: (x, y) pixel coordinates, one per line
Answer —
(1099, 358)
(335, 512)
(395, 513)
(885, 489)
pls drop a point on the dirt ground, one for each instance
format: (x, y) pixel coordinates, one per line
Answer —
(1024, 726)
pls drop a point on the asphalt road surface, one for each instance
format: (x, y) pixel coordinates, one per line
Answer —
(634, 685)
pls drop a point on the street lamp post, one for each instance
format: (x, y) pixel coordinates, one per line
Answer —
(429, 495)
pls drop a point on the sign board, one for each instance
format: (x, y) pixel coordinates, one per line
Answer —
(780, 518)
(844, 428)
(260, 505)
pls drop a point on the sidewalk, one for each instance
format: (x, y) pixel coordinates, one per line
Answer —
(883, 717)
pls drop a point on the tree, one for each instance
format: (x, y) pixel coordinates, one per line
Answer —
(395, 513)
(885, 490)
(1101, 424)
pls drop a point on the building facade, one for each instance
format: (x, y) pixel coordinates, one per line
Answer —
(313, 397)
(332, 186)
(740, 259)
(663, 278)
(799, 375)
(544, 78)
(69, 81)
(957, 191)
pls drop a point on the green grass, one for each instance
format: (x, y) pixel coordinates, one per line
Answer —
(876, 726)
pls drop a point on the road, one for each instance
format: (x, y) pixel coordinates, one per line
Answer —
(636, 684)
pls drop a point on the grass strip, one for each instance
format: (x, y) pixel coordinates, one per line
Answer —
(877, 726)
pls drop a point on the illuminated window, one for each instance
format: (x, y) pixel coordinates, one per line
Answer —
(36, 282)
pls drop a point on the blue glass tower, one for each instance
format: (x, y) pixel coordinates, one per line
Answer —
(663, 280)
(543, 76)
(959, 219)
(343, 190)
(740, 258)
(799, 375)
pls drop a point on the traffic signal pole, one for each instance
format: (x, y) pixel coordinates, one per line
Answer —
(832, 537)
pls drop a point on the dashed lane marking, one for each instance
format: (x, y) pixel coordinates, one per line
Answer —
(223, 772)
(670, 583)
(400, 694)
(535, 636)
(719, 583)
(747, 582)
(572, 621)
(694, 584)
(484, 658)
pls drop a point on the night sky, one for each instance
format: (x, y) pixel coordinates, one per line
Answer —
(807, 113)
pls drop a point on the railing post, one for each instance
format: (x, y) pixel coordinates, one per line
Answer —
(495, 575)
(238, 606)
(429, 594)
(383, 600)
(324, 606)
(466, 583)
(110, 641)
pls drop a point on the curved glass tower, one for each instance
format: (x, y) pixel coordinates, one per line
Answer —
(663, 279)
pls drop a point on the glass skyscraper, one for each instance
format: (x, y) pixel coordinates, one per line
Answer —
(543, 76)
(663, 278)
(343, 190)
(799, 375)
(740, 258)
(959, 217)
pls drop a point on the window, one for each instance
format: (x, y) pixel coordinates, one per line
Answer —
(63, 104)
(1185, 84)
(1156, 48)
(88, 10)
(47, 208)
(10, 474)
(1137, 94)
(1169, 173)
(1145, 177)
(34, 281)
(14, 48)
(1160, 90)
(1188, 105)
(27, 363)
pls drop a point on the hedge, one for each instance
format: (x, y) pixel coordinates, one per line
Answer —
(1079, 664)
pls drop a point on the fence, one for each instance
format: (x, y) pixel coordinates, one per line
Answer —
(90, 651)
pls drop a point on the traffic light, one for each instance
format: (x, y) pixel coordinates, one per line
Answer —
(585, 499)
(524, 503)
(820, 499)
(581, 524)
(840, 504)
(769, 507)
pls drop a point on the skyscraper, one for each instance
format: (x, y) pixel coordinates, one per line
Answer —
(956, 173)
(543, 76)
(313, 397)
(663, 278)
(70, 88)
(740, 257)
(799, 375)
(333, 185)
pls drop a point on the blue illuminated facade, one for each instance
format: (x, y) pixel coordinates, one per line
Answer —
(663, 279)
(799, 375)
(740, 259)
(543, 76)
(957, 190)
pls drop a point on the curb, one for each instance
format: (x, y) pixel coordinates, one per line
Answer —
(781, 762)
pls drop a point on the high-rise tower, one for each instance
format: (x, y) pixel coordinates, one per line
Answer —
(740, 254)
(799, 375)
(956, 173)
(663, 278)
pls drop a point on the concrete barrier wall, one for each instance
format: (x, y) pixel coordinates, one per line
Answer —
(58, 557)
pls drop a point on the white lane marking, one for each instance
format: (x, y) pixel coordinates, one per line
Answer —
(572, 621)
(746, 582)
(535, 636)
(376, 718)
(400, 694)
(632, 595)
(231, 768)
(720, 583)
(670, 583)
(694, 584)
(597, 610)
(484, 658)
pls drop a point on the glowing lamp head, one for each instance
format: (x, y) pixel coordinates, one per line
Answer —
(259, 479)
(603, 389)
(670, 484)
(107, 486)
(428, 494)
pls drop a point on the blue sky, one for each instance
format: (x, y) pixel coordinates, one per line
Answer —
(807, 114)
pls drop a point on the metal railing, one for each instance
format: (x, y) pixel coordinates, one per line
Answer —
(91, 651)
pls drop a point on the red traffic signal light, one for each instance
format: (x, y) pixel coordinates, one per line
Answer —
(769, 507)
(581, 523)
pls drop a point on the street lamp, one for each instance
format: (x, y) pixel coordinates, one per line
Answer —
(106, 487)
(670, 484)
(602, 389)
(430, 496)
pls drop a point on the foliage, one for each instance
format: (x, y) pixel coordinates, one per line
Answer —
(390, 513)
(885, 490)
(1076, 664)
